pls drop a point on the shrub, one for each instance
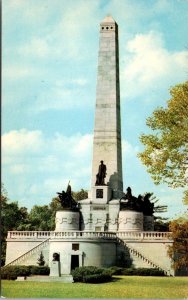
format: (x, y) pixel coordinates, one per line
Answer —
(91, 274)
(41, 261)
(97, 278)
(128, 271)
(143, 272)
(40, 270)
(12, 272)
(79, 272)
(115, 270)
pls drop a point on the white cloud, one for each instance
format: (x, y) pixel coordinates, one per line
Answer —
(22, 141)
(75, 25)
(18, 169)
(128, 149)
(70, 94)
(36, 47)
(42, 166)
(19, 71)
(30, 12)
(150, 65)
(63, 36)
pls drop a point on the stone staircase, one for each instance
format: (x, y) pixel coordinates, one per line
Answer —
(139, 257)
(27, 254)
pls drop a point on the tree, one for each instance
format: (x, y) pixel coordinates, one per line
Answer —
(165, 154)
(80, 195)
(179, 250)
(160, 223)
(39, 218)
(40, 260)
(11, 218)
(185, 198)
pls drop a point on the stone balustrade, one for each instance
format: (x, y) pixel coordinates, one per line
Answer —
(126, 235)
(144, 235)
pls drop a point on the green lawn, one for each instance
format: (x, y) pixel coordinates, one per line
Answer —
(121, 287)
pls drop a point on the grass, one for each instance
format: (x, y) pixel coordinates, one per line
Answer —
(121, 287)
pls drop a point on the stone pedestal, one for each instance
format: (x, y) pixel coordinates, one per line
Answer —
(55, 269)
(101, 194)
(67, 220)
(130, 220)
(148, 223)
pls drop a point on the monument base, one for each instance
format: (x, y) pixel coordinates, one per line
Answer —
(63, 278)
(148, 223)
(130, 220)
(55, 269)
(101, 194)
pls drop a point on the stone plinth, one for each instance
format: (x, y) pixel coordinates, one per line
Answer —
(67, 220)
(55, 268)
(62, 278)
(101, 194)
(130, 220)
(148, 223)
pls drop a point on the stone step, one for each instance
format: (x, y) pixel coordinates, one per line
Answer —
(63, 278)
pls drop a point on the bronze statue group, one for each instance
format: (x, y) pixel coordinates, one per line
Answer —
(127, 202)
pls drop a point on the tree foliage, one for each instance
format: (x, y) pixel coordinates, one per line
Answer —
(179, 250)
(80, 195)
(165, 153)
(185, 197)
(11, 217)
(157, 208)
(40, 260)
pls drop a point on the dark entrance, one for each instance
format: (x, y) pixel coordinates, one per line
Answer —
(74, 261)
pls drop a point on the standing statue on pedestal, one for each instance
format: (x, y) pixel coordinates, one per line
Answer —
(101, 174)
(66, 199)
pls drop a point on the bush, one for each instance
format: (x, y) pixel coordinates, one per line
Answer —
(79, 272)
(97, 278)
(41, 261)
(40, 270)
(12, 272)
(128, 271)
(143, 272)
(115, 270)
(91, 274)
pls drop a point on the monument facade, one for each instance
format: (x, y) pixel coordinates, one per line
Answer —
(110, 227)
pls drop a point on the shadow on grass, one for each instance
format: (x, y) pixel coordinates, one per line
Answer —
(114, 279)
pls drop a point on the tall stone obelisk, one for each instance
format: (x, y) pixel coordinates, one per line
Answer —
(107, 131)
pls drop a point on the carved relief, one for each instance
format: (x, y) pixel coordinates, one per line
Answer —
(68, 220)
(132, 221)
(113, 221)
(88, 221)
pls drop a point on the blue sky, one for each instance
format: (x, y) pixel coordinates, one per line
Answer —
(49, 69)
